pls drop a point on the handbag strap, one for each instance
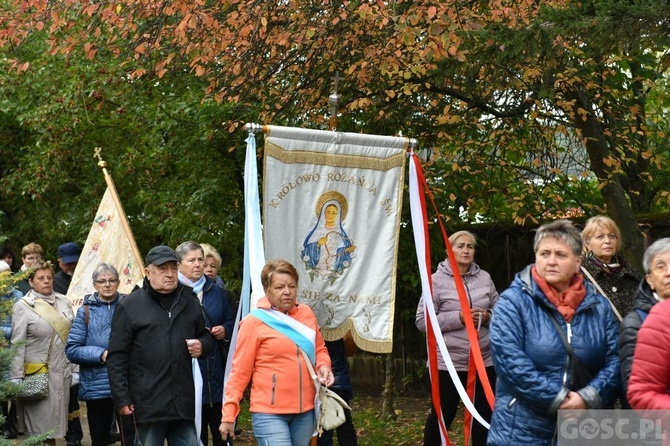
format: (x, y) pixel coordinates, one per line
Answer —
(561, 334)
(312, 373)
(600, 290)
(49, 352)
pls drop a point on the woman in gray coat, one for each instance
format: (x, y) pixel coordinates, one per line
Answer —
(41, 321)
(482, 296)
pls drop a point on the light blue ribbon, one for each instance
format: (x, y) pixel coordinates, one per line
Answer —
(285, 329)
(254, 253)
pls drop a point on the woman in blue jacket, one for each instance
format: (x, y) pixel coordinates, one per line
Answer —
(535, 372)
(87, 346)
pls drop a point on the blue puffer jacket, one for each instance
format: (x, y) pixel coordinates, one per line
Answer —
(532, 363)
(87, 342)
(6, 326)
(212, 367)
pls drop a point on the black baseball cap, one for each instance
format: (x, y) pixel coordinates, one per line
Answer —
(160, 254)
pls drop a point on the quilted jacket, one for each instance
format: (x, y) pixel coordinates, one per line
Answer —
(86, 343)
(532, 363)
(643, 301)
(212, 367)
(481, 293)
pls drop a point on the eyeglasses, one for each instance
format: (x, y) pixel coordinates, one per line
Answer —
(660, 268)
(107, 282)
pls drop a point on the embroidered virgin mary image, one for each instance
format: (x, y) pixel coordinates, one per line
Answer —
(327, 250)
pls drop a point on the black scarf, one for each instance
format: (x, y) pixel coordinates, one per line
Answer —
(165, 300)
(611, 268)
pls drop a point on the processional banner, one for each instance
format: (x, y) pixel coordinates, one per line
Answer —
(332, 205)
(107, 242)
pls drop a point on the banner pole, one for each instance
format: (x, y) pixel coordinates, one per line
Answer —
(334, 100)
(124, 220)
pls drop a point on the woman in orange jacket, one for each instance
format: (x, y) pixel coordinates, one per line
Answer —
(268, 354)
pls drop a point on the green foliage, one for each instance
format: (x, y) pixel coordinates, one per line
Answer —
(175, 167)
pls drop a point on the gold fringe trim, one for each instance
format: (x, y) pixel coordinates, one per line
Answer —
(333, 160)
(369, 345)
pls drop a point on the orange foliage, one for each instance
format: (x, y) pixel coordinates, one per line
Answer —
(267, 44)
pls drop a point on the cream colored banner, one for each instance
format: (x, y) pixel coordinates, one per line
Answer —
(331, 206)
(106, 242)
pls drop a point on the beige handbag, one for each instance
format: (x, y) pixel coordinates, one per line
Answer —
(331, 407)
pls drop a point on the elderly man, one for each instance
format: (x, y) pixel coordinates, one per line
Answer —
(156, 331)
(68, 257)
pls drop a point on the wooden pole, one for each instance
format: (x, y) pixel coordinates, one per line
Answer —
(119, 208)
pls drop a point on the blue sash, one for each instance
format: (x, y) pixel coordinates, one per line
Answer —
(287, 330)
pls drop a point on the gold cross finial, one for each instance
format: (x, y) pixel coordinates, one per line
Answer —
(97, 154)
(337, 80)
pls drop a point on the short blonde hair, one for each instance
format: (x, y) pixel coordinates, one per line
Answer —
(593, 224)
(31, 248)
(209, 251)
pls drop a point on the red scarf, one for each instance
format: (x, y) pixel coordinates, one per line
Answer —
(566, 302)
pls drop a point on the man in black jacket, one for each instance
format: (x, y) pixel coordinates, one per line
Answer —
(156, 331)
(68, 257)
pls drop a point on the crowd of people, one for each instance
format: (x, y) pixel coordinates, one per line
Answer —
(570, 332)
(135, 388)
(577, 329)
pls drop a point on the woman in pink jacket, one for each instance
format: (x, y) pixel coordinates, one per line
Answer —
(268, 354)
(650, 374)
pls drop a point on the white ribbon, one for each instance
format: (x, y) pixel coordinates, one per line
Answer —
(418, 219)
(197, 383)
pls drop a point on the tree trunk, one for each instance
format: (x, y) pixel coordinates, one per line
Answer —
(614, 195)
(389, 388)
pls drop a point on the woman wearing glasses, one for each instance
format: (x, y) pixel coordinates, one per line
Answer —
(87, 346)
